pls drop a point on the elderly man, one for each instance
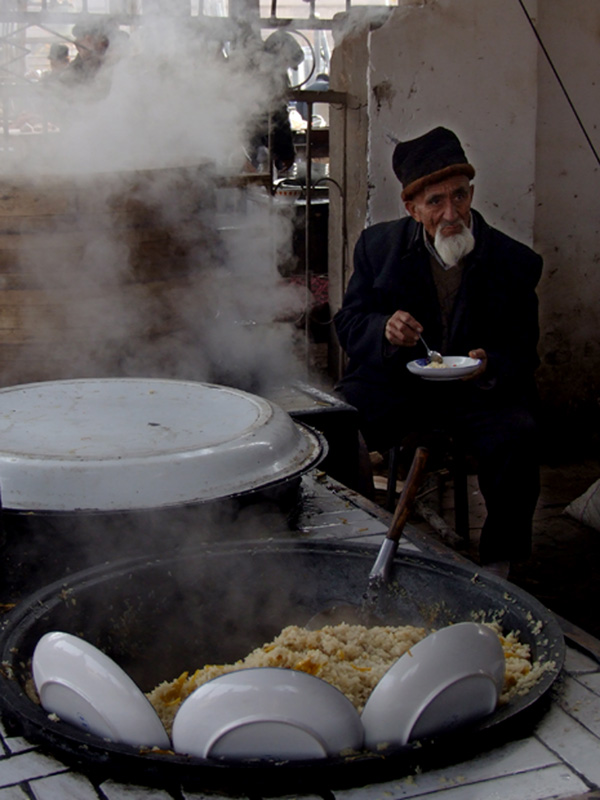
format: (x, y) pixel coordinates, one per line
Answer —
(470, 290)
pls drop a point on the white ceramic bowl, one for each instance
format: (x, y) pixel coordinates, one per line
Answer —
(455, 367)
(288, 191)
(451, 678)
(267, 713)
(85, 687)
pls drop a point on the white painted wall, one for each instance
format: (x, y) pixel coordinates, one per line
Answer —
(567, 221)
(470, 66)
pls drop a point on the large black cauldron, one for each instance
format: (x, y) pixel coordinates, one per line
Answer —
(159, 617)
(105, 468)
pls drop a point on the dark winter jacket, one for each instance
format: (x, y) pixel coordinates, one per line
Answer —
(496, 309)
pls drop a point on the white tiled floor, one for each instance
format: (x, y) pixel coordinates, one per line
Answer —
(559, 759)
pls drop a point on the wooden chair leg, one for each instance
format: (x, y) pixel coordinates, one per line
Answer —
(461, 494)
(393, 462)
(365, 484)
(458, 470)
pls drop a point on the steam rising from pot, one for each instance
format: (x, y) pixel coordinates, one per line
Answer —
(135, 253)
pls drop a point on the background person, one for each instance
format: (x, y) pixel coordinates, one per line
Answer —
(320, 84)
(471, 290)
(280, 53)
(92, 40)
(58, 58)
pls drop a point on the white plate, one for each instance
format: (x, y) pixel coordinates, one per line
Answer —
(85, 687)
(125, 444)
(454, 367)
(451, 678)
(267, 713)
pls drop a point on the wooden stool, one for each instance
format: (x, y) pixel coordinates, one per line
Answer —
(456, 461)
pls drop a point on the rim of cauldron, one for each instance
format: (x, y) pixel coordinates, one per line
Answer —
(94, 756)
(270, 489)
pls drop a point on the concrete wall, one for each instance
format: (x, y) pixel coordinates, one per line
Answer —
(477, 68)
(567, 218)
(444, 63)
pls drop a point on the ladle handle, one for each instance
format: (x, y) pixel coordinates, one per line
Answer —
(381, 568)
(408, 494)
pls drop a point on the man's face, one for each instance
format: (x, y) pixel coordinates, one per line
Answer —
(91, 46)
(85, 46)
(445, 205)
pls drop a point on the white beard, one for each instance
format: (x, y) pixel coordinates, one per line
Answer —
(452, 248)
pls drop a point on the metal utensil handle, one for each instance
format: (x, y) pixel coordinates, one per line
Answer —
(387, 551)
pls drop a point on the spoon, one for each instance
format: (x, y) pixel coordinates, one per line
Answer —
(365, 614)
(432, 355)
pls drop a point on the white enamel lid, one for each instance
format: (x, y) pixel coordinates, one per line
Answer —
(112, 444)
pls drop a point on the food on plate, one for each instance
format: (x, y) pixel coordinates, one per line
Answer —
(351, 657)
(437, 365)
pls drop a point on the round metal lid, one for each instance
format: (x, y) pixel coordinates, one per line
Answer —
(129, 443)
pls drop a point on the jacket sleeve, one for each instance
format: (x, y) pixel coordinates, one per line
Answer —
(513, 327)
(359, 325)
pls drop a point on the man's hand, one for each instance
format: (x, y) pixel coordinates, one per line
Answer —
(482, 356)
(402, 330)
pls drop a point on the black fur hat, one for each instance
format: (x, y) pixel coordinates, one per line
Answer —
(429, 158)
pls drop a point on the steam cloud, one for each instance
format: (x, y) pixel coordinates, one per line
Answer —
(131, 258)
